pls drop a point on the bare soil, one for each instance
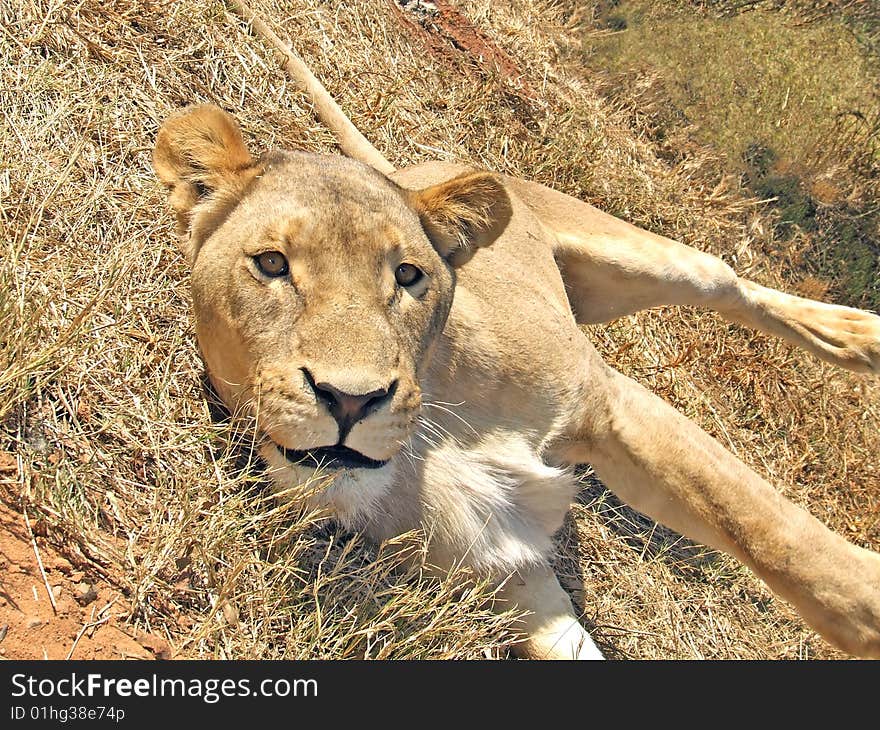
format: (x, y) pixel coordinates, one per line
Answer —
(88, 619)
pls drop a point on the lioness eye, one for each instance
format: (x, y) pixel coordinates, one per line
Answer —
(272, 263)
(407, 274)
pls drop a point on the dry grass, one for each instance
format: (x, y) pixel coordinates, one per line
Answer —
(101, 398)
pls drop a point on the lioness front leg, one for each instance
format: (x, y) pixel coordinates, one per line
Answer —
(612, 268)
(550, 627)
(667, 467)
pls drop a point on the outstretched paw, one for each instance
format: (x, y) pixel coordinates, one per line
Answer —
(847, 337)
(848, 614)
(843, 336)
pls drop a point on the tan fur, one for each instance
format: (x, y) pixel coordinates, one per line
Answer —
(496, 393)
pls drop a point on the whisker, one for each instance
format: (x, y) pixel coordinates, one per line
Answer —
(437, 429)
(442, 407)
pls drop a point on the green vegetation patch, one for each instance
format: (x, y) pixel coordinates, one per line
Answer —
(753, 77)
(792, 103)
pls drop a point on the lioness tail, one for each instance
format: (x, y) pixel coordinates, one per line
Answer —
(352, 142)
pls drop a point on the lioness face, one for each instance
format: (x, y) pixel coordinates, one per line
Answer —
(319, 286)
(330, 297)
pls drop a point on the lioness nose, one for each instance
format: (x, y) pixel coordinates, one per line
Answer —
(346, 407)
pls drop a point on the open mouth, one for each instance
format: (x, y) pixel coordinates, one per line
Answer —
(331, 457)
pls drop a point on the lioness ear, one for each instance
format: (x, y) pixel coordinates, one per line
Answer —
(199, 151)
(463, 214)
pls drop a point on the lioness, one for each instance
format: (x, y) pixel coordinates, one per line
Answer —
(408, 346)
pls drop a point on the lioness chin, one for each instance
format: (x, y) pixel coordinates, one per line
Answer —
(408, 346)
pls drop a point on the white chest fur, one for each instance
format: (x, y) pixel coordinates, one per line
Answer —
(493, 506)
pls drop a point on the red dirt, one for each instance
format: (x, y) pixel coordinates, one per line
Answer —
(448, 34)
(29, 626)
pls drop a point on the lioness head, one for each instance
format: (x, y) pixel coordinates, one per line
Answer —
(319, 285)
